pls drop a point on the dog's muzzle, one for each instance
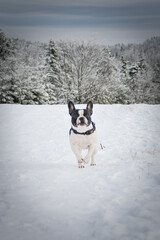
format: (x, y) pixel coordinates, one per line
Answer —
(81, 121)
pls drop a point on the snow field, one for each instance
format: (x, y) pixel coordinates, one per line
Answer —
(43, 193)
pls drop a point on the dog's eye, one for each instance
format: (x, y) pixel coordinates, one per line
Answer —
(75, 115)
(86, 114)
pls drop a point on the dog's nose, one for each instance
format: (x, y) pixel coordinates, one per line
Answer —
(81, 119)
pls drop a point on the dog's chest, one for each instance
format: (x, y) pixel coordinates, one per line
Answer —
(82, 141)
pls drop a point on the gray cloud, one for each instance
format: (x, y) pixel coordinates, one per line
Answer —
(79, 7)
(84, 14)
(95, 14)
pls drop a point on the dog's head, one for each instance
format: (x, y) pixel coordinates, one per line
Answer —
(80, 117)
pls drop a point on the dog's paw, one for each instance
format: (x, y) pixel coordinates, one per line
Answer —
(81, 166)
(80, 163)
(93, 164)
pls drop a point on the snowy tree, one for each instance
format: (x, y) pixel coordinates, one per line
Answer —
(8, 87)
(144, 89)
(137, 77)
(5, 47)
(90, 72)
(30, 72)
(38, 73)
(71, 70)
(67, 89)
(53, 70)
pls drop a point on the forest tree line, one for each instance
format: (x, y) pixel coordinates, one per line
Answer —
(54, 73)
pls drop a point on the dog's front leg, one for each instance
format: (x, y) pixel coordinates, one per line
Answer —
(91, 150)
(77, 152)
(93, 163)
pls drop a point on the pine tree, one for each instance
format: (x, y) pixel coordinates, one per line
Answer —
(8, 87)
(111, 89)
(145, 92)
(53, 81)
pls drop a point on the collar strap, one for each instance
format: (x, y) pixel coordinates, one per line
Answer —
(84, 133)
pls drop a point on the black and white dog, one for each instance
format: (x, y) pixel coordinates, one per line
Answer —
(83, 134)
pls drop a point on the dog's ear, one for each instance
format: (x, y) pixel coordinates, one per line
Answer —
(90, 107)
(71, 107)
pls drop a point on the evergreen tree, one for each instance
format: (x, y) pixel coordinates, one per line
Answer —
(112, 89)
(8, 88)
(53, 81)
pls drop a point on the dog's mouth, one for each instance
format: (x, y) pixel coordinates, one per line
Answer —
(82, 124)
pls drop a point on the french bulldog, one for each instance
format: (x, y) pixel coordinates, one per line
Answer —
(83, 134)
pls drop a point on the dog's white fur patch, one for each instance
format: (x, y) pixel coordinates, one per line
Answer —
(81, 112)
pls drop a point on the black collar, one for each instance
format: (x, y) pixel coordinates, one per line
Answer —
(84, 133)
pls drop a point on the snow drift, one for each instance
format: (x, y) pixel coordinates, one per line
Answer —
(44, 195)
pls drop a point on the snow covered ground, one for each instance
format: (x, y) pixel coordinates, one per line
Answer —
(43, 193)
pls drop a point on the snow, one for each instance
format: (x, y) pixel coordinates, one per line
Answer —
(43, 193)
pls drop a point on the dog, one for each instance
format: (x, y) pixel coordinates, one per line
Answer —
(83, 134)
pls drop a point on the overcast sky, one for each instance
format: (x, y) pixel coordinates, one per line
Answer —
(105, 21)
